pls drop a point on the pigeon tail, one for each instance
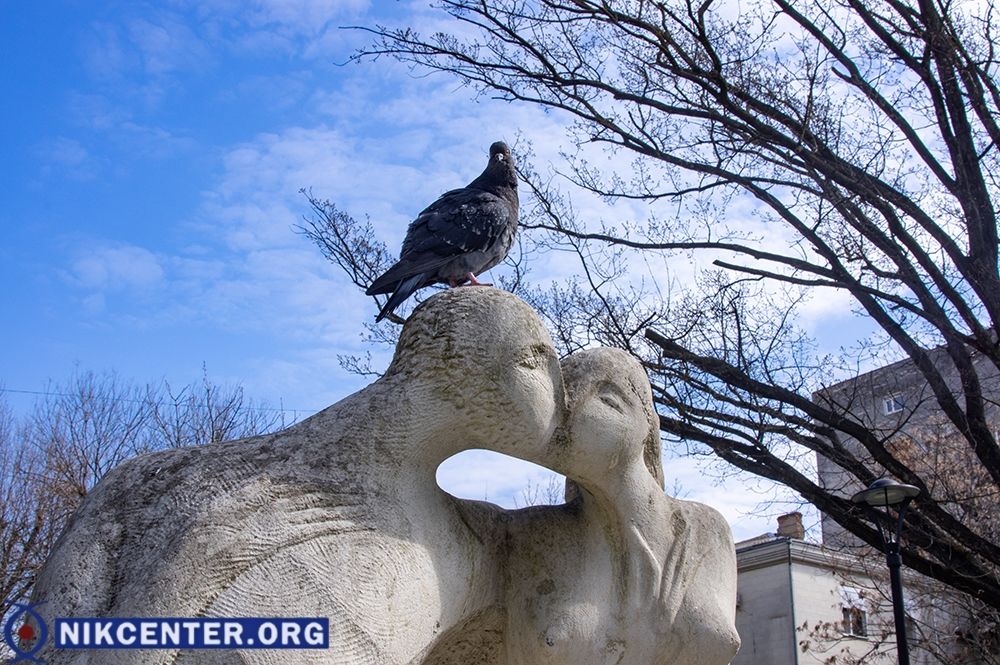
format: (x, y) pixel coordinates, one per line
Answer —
(404, 290)
(403, 269)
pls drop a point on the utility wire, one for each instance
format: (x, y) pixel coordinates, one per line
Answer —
(46, 393)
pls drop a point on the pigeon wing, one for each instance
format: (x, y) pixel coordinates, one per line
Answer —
(459, 222)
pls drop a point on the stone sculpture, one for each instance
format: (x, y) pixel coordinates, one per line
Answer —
(339, 516)
(276, 525)
(622, 573)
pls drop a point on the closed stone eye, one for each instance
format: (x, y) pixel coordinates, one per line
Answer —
(612, 396)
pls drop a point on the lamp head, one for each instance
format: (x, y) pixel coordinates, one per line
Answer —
(885, 492)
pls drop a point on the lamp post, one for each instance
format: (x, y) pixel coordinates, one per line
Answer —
(886, 492)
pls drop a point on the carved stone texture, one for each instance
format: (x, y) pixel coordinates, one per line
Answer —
(339, 516)
(622, 573)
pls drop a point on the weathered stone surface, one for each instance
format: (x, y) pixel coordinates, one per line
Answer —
(339, 516)
(622, 573)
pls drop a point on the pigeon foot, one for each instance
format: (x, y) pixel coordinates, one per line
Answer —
(469, 280)
(474, 282)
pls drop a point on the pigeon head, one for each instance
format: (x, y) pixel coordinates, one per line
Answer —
(499, 173)
(499, 151)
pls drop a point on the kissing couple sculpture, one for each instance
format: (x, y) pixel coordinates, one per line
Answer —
(340, 516)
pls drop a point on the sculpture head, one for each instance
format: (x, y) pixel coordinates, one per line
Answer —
(482, 357)
(610, 420)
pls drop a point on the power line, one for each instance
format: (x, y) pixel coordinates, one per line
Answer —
(48, 393)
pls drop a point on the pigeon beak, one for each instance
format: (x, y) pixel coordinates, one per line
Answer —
(499, 157)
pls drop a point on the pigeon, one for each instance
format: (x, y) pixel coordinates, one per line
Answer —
(465, 232)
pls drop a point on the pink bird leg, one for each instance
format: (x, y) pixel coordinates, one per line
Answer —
(470, 278)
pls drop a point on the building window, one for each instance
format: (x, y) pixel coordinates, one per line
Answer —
(911, 629)
(855, 615)
(892, 404)
(855, 622)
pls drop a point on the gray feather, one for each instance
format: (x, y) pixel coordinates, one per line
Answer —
(467, 230)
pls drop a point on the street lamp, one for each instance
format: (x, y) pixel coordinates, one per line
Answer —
(886, 492)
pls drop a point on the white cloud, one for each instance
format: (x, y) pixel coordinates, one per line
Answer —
(95, 111)
(300, 27)
(277, 93)
(65, 152)
(116, 268)
(104, 54)
(306, 16)
(151, 142)
(166, 43)
(751, 505)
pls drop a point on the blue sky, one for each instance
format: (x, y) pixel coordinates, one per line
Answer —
(153, 155)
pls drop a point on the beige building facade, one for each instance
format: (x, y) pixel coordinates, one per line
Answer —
(800, 603)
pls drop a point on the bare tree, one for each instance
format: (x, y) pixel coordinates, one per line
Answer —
(943, 625)
(208, 413)
(26, 507)
(547, 493)
(81, 429)
(842, 147)
(86, 427)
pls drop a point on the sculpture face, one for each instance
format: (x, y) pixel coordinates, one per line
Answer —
(610, 411)
(531, 385)
(493, 376)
